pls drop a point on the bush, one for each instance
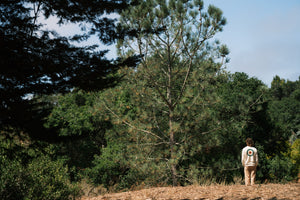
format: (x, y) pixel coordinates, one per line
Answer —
(12, 184)
(278, 168)
(49, 179)
(295, 153)
(42, 178)
(282, 169)
(108, 167)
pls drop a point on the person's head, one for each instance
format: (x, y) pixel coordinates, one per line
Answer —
(249, 142)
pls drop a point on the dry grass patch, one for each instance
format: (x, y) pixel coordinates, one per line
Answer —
(265, 191)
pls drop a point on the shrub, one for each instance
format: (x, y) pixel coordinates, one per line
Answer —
(108, 167)
(277, 168)
(12, 184)
(282, 169)
(295, 153)
(42, 178)
(49, 179)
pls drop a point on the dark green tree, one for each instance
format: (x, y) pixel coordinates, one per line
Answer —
(80, 129)
(284, 101)
(283, 108)
(35, 61)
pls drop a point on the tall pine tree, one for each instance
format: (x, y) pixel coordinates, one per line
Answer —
(175, 76)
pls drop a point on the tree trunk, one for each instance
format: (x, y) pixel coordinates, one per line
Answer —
(172, 149)
(171, 113)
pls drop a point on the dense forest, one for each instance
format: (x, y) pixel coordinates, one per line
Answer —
(165, 112)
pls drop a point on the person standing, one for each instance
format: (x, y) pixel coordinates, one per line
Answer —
(250, 162)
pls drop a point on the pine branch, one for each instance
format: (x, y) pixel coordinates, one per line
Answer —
(256, 101)
(36, 11)
(156, 85)
(189, 67)
(130, 125)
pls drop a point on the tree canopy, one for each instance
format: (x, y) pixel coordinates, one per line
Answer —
(36, 61)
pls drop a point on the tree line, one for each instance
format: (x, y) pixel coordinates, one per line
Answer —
(165, 112)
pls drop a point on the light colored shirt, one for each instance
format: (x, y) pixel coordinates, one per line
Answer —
(249, 156)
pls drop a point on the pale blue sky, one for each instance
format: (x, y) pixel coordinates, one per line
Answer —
(263, 37)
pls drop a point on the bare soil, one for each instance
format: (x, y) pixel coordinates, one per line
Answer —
(216, 192)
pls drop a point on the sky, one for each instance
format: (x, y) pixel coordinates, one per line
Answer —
(263, 37)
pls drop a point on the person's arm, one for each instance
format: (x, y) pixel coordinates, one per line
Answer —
(256, 158)
(243, 161)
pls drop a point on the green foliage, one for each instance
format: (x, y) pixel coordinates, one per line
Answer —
(281, 169)
(173, 80)
(295, 153)
(241, 97)
(211, 131)
(109, 167)
(12, 183)
(35, 176)
(276, 167)
(80, 127)
(73, 114)
(36, 61)
(284, 106)
(48, 179)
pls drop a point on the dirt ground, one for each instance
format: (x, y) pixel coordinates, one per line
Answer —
(220, 192)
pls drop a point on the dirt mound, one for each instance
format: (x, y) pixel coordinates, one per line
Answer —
(265, 191)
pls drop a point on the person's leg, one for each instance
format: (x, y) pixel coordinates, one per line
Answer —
(253, 175)
(247, 175)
